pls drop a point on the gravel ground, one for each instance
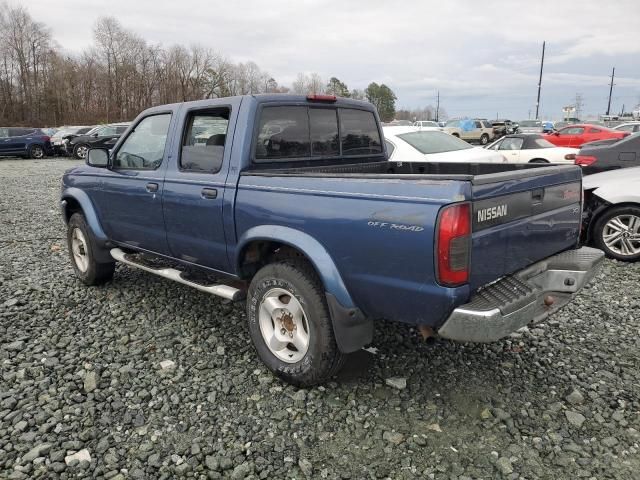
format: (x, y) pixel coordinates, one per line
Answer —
(145, 378)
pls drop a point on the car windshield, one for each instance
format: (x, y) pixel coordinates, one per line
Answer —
(93, 130)
(453, 123)
(530, 123)
(434, 142)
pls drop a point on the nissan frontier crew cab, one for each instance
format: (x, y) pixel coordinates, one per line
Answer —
(289, 203)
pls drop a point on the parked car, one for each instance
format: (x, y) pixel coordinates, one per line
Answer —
(413, 144)
(427, 125)
(100, 136)
(503, 127)
(24, 142)
(532, 148)
(320, 233)
(64, 134)
(612, 213)
(577, 135)
(631, 127)
(476, 130)
(530, 126)
(609, 155)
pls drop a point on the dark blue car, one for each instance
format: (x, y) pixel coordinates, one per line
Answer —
(24, 142)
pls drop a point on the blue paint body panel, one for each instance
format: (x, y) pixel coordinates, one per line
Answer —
(370, 237)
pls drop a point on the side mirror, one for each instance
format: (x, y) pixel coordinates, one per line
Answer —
(556, 133)
(98, 157)
(95, 135)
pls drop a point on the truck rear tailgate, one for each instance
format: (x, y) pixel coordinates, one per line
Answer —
(518, 220)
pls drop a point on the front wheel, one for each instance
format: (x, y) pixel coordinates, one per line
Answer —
(36, 152)
(539, 160)
(80, 151)
(484, 139)
(290, 325)
(617, 233)
(82, 247)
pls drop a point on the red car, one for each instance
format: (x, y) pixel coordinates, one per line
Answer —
(577, 135)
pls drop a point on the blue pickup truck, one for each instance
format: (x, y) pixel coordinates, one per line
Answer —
(290, 203)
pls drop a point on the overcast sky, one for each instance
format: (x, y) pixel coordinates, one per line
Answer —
(483, 56)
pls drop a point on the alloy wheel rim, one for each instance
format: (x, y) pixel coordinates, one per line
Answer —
(82, 151)
(38, 152)
(284, 325)
(621, 235)
(79, 250)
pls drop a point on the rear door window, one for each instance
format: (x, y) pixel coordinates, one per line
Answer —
(204, 140)
(514, 143)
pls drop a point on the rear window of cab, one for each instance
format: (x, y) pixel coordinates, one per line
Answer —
(301, 132)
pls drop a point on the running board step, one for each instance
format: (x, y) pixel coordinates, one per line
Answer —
(224, 291)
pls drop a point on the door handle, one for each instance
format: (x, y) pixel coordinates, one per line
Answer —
(152, 187)
(209, 193)
(537, 195)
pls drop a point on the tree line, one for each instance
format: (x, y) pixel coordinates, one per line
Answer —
(121, 74)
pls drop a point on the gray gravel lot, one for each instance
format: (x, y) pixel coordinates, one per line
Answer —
(84, 394)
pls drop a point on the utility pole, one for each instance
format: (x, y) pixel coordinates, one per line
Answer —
(613, 73)
(438, 107)
(579, 104)
(540, 81)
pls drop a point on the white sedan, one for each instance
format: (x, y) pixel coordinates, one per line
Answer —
(532, 148)
(612, 212)
(412, 144)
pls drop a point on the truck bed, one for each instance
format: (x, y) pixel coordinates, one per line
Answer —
(476, 173)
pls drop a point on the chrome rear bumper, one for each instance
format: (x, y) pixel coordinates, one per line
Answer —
(530, 295)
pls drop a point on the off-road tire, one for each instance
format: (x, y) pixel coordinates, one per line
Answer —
(323, 359)
(96, 273)
(598, 230)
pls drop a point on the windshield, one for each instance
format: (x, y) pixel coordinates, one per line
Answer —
(434, 142)
(530, 123)
(453, 123)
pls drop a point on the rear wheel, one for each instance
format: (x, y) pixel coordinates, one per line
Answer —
(539, 160)
(484, 139)
(36, 152)
(617, 233)
(80, 151)
(81, 245)
(290, 324)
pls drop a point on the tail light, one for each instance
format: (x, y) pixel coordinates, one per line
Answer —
(321, 98)
(585, 160)
(570, 156)
(453, 244)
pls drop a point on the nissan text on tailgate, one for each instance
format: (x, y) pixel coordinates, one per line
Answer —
(289, 203)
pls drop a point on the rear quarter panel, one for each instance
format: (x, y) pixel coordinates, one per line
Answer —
(378, 232)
